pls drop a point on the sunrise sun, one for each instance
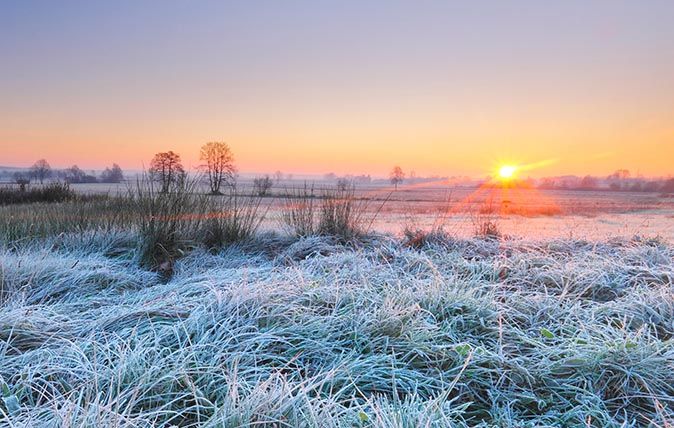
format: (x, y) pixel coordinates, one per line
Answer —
(506, 172)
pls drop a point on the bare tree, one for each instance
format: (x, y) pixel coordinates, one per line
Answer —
(262, 185)
(74, 174)
(397, 176)
(41, 170)
(167, 169)
(219, 165)
(278, 176)
(22, 180)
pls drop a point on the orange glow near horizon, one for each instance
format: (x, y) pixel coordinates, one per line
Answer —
(375, 159)
(320, 87)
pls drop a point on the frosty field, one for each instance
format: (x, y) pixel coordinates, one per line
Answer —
(182, 309)
(553, 214)
(314, 332)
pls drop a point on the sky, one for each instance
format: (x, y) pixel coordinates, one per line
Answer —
(438, 87)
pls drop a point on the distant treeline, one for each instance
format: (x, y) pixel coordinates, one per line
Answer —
(41, 171)
(619, 181)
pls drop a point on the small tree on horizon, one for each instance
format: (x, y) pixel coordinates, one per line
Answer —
(397, 176)
(74, 174)
(219, 165)
(167, 169)
(41, 170)
(278, 176)
(262, 185)
(22, 180)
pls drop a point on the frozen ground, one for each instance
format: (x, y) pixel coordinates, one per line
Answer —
(318, 334)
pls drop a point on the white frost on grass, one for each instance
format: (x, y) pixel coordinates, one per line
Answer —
(458, 333)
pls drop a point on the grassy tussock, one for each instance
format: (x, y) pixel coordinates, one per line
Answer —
(486, 221)
(168, 221)
(232, 219)
(337, 213)
(173, 223)
(454, 333)
(342, 214)
(299, 211)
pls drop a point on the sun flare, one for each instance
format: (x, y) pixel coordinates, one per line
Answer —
(506, 172)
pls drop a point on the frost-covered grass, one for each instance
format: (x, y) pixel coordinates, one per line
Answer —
(320, 334)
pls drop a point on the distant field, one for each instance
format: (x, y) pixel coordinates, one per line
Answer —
(522, 212)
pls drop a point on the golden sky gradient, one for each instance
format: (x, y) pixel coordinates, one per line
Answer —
(344, 87)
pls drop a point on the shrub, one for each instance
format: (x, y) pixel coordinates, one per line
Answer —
(343, 184)
(262, 185)
(22, 180)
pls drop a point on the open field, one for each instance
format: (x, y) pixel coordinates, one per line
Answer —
(525, 213)
(151, 310)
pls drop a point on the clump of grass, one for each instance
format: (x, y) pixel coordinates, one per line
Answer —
(299, 211)
(419, 238)
(335, 212)
(416, 237)
(168, 221)
(343, 215)
(486, 227)
(485, 222)
(49, 193)
(167, 224)
(232, 219)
